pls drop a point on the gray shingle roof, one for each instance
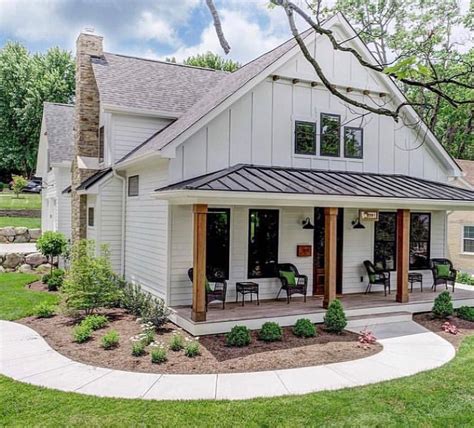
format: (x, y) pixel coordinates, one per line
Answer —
(59, 120)
(226, 87)
(252, 178)
(151, 85)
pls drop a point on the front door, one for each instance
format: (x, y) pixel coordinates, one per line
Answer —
(319, 245)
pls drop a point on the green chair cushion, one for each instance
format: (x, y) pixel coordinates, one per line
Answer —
(372, 278)
(289, 276)
(208, 287)
(443, 271)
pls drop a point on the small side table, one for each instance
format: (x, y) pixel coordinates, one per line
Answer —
(244, 288)
(415, 277)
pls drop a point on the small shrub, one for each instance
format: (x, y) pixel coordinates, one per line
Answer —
(159, 354)
(466, 313)
(2, 186)
(335, 318)
(450, 328)
(270, 332)
(304, 328)
(465, 278)
(148, 333)
(55, 279)
(238, 336)
(45, 278)
(176, 342)
(110, 340)
(95, 322)
(366, 338)
(19, 183)
(44, 310)
(443, 305)
(192, 348)
(51, 244)
(138, 349)
(81, 333)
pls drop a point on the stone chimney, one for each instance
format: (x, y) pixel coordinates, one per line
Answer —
(86, 129)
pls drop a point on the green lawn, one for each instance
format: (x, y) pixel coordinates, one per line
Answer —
(29, 222)
(439, 398)
(25, 201)
(15, 300)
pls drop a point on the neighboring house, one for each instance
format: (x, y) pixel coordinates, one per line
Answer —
(56, 148)
(461, 228)
(180, 166)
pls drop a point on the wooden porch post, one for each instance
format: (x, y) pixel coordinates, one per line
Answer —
(403, 254)
(330, 255)
(199, 263)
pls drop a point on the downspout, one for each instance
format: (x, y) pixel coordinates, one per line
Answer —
(124, 199)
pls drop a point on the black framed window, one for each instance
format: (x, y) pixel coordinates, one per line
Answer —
(305, 138)
(101, 144)
(263, 243)
(420, 240)
(385, 242)
(218, 243)
(91, 217)
(133, 185)
(353, 142)
(330, 140)
(468, 239)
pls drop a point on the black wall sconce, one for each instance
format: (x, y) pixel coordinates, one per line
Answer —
(356, 224)
(307, 224)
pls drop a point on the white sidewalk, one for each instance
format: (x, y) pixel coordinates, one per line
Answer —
(408, 348)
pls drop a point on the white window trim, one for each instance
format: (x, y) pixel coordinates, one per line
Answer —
(95, 216)
(463, 226)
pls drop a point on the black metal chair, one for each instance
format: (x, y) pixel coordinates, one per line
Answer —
(300, 287)
(218, 292)
(449, 279)
(377, 277)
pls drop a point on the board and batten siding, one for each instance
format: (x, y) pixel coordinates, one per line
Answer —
(146, 231)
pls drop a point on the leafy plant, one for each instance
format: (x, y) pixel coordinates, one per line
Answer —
(466, 313)
(148, 333)
(450, 328)
(158, 354)
(304, 328)
(138, 349)
(443, 305)
(239, 336)
(335, 319)
(192, 348)
(176, 342)
(51, 244)
(95, 322)
(44, 310)
(81, 333)
(2, 186)
(270, 332)
(54, 280)
(110, 340)
(18, 184)
(366, 338)
(90, 282)
(465, 278)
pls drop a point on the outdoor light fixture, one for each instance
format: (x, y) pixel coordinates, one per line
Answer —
(307, 223)
(356, 224)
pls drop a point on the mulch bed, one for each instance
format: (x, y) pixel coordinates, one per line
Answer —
(215, 356)
(38, 286)
(427, 320)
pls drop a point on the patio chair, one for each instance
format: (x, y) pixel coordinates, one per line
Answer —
(218, 292)
(301, 281)
(443, 273)
(377, 277)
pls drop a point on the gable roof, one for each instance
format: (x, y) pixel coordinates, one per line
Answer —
(59, 121)
(139, 83)
(468, 168)
(227, 87)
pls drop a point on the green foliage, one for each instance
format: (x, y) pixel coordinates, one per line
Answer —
(19, 183)
(51, 244)
(44, 310)
(443, 305)
(95, 322)
(54, 280)
(192, 349)
(304, 328)
(465, 278)
(466, 313)
(158, 354)
(270, 332)
(138, 349)
(335, 319)
(110, 340)
(90, 282)
(26, 81)
(81, 333)
(2, 186)
(212, 60)
(238, 336)
(176, 342)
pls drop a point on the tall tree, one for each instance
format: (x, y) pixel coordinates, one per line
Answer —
(212, 60)
(26, 81)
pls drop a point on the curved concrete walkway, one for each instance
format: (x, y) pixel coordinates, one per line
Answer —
(408, 349)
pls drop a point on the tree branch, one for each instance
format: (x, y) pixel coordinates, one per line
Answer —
(217, 24)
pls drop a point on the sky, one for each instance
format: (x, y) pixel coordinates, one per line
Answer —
(147, 28)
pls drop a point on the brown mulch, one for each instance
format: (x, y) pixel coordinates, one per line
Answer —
(427, 320)
(215, 356)
(38, 286)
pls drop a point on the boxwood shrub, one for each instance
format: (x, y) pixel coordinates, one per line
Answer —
(304, 328)
(466, 313)
(335, 318)
(443, 305)
(238, 336)
(270, 332)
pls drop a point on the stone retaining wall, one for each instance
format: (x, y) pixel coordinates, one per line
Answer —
(24, 262)
(18, 235)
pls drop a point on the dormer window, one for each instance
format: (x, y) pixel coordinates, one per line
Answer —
(101, 144)
(330, 135)
(305, 138)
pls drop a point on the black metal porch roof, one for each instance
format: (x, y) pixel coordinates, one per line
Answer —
(253, 178)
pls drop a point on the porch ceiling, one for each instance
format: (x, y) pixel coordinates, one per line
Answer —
(309, 186)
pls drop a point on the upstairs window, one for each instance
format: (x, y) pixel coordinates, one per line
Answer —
(420, 232)
(353, 142)
(90, 217)
(305, 138)
(468, 239)
(330, 135)
(101, 144)
(133, 184)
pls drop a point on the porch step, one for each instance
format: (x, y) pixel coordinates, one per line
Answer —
(384, 318)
